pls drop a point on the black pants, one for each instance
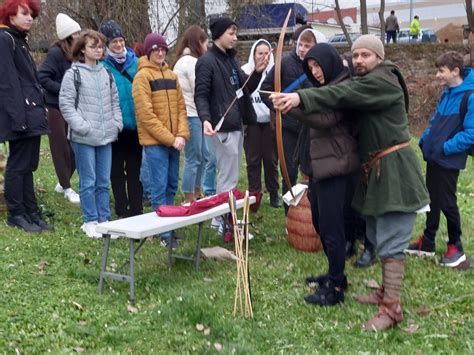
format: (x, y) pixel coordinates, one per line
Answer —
(125, 174)
(442, 184)
(392, 35)
(61, 151)
(260, 149)
(290, 140)
(330, 197)
(23, 159)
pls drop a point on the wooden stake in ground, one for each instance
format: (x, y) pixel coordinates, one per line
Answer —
(242, 286)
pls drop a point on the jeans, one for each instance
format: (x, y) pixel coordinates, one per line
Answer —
(210, 166)
(193, 157)
(145, 178)
(93, 165)
(163, 167)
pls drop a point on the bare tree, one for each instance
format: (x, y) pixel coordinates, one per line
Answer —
(341, 22)
(382, 20)
(470, 19)
(363, 17)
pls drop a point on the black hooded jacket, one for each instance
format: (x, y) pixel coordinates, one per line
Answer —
(333, 149)
(22, 105)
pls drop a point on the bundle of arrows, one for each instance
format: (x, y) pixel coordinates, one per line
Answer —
(243, 296)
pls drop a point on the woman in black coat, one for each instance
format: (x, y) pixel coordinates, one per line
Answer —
(22, 114)
(50, 75)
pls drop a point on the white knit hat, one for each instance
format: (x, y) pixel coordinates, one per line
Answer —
(66, 26)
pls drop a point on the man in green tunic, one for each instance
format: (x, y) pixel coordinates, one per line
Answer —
(392, 189)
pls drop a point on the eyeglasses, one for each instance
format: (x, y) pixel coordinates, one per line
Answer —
(159, 49)
(96, 48)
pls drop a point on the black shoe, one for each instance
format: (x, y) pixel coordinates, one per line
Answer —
(313, 281)
(40, 222)
(366, 259)
(275, 201)
(421, 247)
(326, 295)
(22, 222)
(350, 250)
(454, 256)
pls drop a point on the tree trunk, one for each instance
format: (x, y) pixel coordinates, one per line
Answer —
(341, 22)
(382, 20)
(363, 17)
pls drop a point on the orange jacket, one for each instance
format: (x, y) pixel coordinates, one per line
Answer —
(159, 105)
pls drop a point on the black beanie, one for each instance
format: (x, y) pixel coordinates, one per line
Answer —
(219, 25)
(328, 59)
(111, 30)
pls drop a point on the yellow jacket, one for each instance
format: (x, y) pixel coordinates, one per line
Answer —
(415, 27)
(159, 105)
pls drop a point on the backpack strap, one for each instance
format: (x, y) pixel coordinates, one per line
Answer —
(122, 71)
(77, 84)
(13, 39)
(111, 78)
(464, 102)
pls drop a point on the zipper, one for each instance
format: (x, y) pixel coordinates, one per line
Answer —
(97, 73)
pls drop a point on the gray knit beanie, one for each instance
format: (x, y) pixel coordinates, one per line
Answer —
(370, 42)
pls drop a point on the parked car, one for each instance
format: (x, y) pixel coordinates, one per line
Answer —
(427, 35)
(341, 40)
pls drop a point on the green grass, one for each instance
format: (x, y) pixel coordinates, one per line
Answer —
(58, 309)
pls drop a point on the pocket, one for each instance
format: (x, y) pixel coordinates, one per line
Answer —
(223, 137)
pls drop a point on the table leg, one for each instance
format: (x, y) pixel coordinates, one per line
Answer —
(197, 254)
(105, 256)
(132, 271)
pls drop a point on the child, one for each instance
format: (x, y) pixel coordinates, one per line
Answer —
(89, 103)
(161, 121)
(445, 144)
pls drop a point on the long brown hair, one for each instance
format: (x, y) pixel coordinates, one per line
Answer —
(81, 41)
(66, 45)
(192, 38)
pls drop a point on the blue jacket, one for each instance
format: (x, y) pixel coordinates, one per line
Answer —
(447, 139)
(124, 87)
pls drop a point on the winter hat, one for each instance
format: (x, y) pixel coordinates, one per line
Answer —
(219, 25)
(328, 59)
(154, 41)
(66, 26)
(370, 42)
(111, 30)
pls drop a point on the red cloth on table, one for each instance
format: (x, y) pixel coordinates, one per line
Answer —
(205, 204)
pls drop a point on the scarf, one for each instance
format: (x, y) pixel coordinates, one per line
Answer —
(120, 58)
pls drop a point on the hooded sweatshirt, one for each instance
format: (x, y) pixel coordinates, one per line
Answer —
(262, 111)
(185, 69)
(320, 38)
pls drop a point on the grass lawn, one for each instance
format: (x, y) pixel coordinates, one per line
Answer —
(49, 300)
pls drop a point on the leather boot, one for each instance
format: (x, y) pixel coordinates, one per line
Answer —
(371, 298)
(390, 311)
(366, 259)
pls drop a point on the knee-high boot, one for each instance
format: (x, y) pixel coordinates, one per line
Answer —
(390, 312)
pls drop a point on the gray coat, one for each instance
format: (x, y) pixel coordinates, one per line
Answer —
(98, 119)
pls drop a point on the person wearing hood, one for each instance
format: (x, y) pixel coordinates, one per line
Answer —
(161, 121)
(197, 161)
(51, 74)
(259, 141)
(334, 159)
(391, 191)
(126, 150)
(90, 105)
(445, 145)
(293, 78)
(23, 117)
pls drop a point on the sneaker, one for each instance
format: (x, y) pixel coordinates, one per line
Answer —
(72, 196)
(89, 229)
(22, 222)
(36, 218)
(453, 257)
(165, 243)
(275, 201)
(419, 248)
(59, 188)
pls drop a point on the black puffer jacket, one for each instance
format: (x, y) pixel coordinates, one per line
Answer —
(22, 105)
(333, 148)
(291, 70)
(51, 74)
(218, 76)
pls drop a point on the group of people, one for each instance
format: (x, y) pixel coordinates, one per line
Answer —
(116, 117)
(392, 28)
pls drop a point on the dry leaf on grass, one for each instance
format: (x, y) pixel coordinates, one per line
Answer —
(373, 284)
(200, 327)
(207, 331)
(78, 306)
(424, 310)
(79, 350)
(412, 327)
(218, 346)
(132, 309)
(42, 265)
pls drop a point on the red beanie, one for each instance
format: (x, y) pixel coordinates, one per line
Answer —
(154, 41)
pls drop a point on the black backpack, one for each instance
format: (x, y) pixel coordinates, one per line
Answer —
(463, 111)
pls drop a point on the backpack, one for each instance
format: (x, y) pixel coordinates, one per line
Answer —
(463, 111)
(77, 82)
